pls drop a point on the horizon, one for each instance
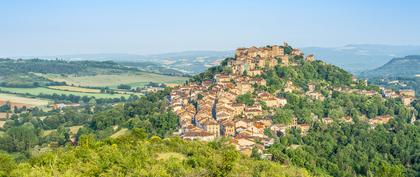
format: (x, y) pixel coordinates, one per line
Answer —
(52, 28)
(184, 51)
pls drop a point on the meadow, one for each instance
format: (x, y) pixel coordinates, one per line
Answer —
(44, 90)
(138, 79)
(75, 89)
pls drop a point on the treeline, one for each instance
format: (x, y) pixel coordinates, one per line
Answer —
(10, 66)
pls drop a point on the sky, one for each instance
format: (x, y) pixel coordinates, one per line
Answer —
(51, 27)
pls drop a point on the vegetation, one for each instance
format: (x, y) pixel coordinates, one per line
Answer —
(353, 149)
(136, 155)
(246, 99)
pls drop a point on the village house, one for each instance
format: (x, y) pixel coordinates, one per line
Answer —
(310, 58)
(408, 93)
(211, 126)
(259, 81)
(407, 100)
(227, 128)
(252, 111)
(297, 52)
(198, 135)
(327, 120)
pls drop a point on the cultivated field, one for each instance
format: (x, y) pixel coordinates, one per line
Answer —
(39, 90)
(135, 79)
(75, 89)
(22, 101)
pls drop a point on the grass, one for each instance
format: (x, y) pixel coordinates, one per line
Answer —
(22, 101)
(138, 79)
(44, 90)
(75, 89)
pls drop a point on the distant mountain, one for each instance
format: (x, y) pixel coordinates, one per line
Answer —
(408, 66)
(187, 62)
(353, 58)
(358, 58)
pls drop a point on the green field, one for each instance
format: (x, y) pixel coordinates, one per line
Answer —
(39, 90)
(138, 79)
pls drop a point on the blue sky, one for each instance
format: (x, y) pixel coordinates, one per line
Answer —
(31, 28)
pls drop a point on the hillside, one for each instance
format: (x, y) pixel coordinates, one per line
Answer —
(22, 73)
(302, 115)
(357, 58)
(174, 63)
(407, 67)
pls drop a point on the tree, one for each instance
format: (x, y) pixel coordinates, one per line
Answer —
(283, 116)
(245, 99)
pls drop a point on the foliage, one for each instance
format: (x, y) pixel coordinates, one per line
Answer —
(132, 156)
(246, 99)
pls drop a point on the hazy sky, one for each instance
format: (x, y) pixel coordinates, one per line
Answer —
(43, 27)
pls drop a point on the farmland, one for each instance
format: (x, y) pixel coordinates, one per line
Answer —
(44, 90)
(19, 101)
(138, 79)
(75, 89)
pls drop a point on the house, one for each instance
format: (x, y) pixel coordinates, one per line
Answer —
(310, 58)
(211, 126)
(259, 81)
(408, 93)
(347, 119)
(252, 111)
(243, 143)
(297, 52)
(289, 87)
(198, 135)
(284, 60)
(63, 105)
(406, 100)
(311, 87)
(304, 128)
(227, 128)
(222, 78)
(327, 120)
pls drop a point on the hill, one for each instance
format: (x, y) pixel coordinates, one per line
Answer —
(174, 63)
(270, 102)
(23, 73)
(407, 67)
(354, 58)
(361, 57)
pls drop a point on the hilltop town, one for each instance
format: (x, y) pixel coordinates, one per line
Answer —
(220, 106)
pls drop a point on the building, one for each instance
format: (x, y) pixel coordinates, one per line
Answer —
(227, 128)
(310, 58)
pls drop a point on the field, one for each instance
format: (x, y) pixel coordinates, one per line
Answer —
(75, 89)
(22, 101)
(133, 79)
(39, 90)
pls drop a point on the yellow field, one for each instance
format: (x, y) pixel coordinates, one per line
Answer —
(22, 101)
(75, 89)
